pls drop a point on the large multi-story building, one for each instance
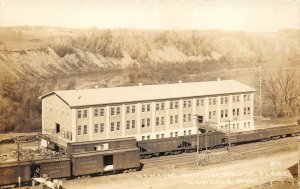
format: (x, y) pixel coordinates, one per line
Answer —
(146, 111)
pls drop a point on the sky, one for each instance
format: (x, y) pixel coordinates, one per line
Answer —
(231, 15)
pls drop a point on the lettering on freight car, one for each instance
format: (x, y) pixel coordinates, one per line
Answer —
(55, 169)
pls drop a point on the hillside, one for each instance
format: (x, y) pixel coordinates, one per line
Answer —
(36, 60)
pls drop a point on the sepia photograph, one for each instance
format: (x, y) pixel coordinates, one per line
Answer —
(149, 94)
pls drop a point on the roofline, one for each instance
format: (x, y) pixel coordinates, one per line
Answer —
(78, 106)
(54, 92)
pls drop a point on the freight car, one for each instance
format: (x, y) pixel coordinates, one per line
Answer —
(264, 134)
(177, 145)
(76, 164)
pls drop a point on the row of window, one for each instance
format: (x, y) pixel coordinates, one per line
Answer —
(99, 128)
(172, 134)
(160, 106)
(236, 127)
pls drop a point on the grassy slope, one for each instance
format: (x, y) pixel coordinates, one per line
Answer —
(56, 59)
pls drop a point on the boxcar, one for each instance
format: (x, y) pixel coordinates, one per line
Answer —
(9, 172)
(111, 144)
(103, 161)
(59, 167)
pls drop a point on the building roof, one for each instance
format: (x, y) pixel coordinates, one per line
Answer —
(89, 97)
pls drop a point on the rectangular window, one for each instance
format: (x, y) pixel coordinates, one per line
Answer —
(190, 132)
(245, 98)
(133, 124)
(171, 134)
(248, 124)
(184, 104)
(225, 113)
(189, 103)
(214, 101)
(184, 117)
(162, 120)
(162, 107)
(79, 114)
(148, 107)
(226, 100)
(118, 125)
(143, 137)
(112, 126)
(198, 103)
(233, 112)
(143, 122)
(245, 110)
(209, 101)
(176, 134)
(222, 113)
(176, 104)
(148, 137)
(85, 129)
(112, 111)
(148, 122)
(157, 136)
(237, 126)
(127, 124)
(233, 126)
(79, 130)
(96, 128)
(245, 125)
(84, 113)
(209, 115)
(96, 112)
(248, 110)
(162, 136)
(171, 105)
(222, 100)
(101, 111)
(202, 102)
(237, 111)
(233, 98)
(157, 107)
(189, 117)
(184, 133)
(133, 109)
(248, 97)
(176, 118)
(237, 98)
(118, 110)
(214, 114)
(127, 109)
(143, 108)
(171, 119)
(157, 121)
(102, 127)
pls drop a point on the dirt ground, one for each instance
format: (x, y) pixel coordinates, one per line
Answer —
(225, 175)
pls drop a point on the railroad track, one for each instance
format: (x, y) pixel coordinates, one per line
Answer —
(245, 150)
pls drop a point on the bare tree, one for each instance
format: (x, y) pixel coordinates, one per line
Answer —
(282, 91)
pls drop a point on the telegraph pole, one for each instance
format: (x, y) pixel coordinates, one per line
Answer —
(199, 121)
(229, 138)
(19, 168)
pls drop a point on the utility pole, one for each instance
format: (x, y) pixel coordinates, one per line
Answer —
(260, 91)
(19, 168)
(199, 121)
(229, 138)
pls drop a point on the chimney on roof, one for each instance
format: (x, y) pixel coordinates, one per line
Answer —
(140, 84)
(179, 81)
(219, 79)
